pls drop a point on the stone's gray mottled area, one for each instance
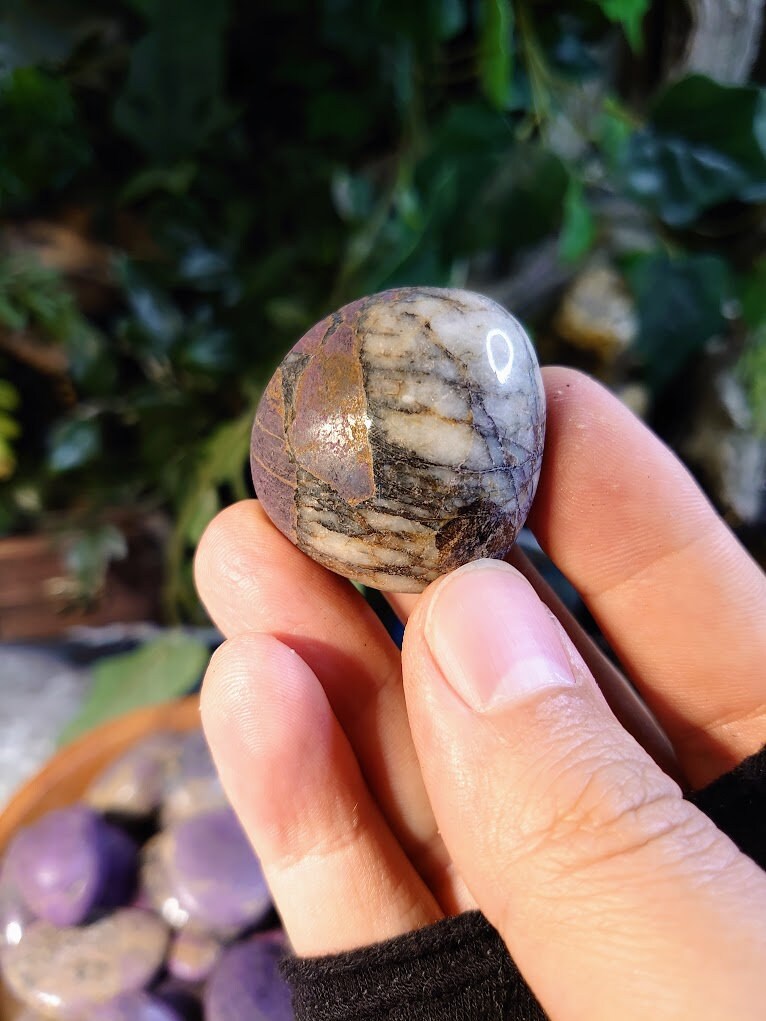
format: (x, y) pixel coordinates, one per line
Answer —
(247, 983)
(66, 973)
(15, 914)
(157, 885)
(134, 785)
(193, 955)
(40, 695)
(403, 436)
(192, 784)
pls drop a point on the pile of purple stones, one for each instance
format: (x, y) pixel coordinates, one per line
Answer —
(144, 902)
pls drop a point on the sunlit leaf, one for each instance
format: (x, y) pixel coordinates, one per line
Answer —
(161, 670)
(496, 51)
(628, 13)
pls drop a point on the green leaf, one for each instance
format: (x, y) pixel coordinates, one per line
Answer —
(628, 13)
(41, 141)
(495, 51)
(88, 555)
(706, 144)
(578, 231)
(72, 444)
(206, 506)
(680, 306)
(161, 670)
(172, 100)
(9, 396)
(752, 295)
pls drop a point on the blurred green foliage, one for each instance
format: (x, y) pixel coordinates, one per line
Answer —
(252, 166)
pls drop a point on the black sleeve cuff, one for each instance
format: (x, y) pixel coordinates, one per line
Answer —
(459, 969)
(456, 968)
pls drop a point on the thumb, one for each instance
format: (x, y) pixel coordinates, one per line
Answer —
(615, 897)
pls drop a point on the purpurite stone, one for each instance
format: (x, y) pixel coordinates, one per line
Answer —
(403, 436)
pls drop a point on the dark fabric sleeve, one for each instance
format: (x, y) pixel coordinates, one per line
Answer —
(459, 969)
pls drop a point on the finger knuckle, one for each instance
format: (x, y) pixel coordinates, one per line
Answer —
(596, 808)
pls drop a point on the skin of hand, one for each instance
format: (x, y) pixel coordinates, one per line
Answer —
(500, 761)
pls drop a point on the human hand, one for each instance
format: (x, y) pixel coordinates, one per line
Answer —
(497, 776)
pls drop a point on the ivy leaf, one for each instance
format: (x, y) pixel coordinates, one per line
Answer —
(628, 13)
(706, 144)
(495, 52)
(161, 670)
(680, 306)
(578, 231)
(73, 444)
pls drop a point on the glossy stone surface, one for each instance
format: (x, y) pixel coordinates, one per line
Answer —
(217, 875)
(71, 862)
(66, 973)
(135, 784)
(203, 872)
(247, 983)
(135, 1007)
(403, 436)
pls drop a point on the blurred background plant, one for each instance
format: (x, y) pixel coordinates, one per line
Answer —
(187, 185)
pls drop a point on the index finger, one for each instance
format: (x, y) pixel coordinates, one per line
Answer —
(677, 597)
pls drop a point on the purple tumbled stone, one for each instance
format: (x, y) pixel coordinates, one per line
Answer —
(66, 973)
(135, 1007)
(215, 872)
(134, 784)
(192, 783)
(193, 955)
(247, 984)
(71, 862)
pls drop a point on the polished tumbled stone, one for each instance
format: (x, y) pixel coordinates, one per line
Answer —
(202, 872)
(193, 955)
(216, 872)
(70, 863)
(135, 1007)
(192, 784)
(66, 973)
(15, 914)
(403, 436)
(135, 784)
(247, 983)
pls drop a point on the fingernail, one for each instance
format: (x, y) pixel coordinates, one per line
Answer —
(492, 638)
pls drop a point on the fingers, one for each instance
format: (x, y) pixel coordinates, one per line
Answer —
(679, 600)
(629, 709)
(338, 877)
(617, 898)
(251, 578)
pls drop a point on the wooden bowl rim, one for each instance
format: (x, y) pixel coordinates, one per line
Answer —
(72, 766)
